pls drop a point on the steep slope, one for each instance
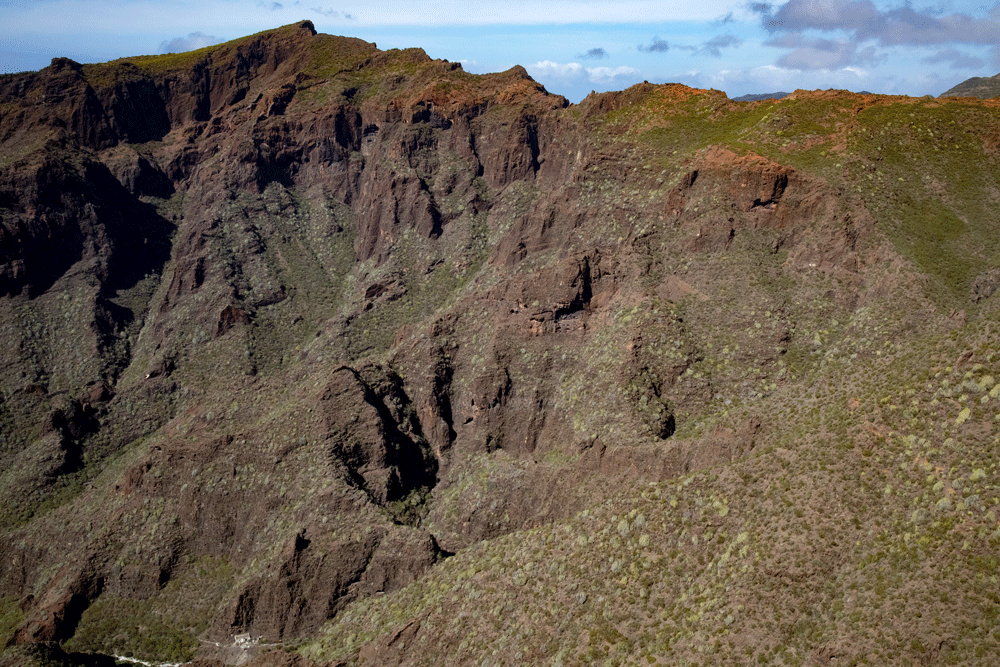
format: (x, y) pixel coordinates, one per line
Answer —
(297, 330)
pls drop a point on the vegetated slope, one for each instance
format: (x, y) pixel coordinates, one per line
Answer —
(984, 87)
(338, 333)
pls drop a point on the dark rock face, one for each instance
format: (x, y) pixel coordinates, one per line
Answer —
(374, 438)
(312, 582)
(325, 315)
(68, 211)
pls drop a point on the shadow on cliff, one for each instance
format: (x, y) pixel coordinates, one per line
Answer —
(66, 212)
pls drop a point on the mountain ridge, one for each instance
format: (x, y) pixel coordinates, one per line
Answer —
(342, 345)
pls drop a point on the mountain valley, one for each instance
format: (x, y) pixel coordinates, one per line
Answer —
(367, 360)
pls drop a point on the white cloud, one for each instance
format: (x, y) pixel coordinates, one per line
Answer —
(547, 68)
(609, 74)
(546, 72)
(772, 78)
(195, 40)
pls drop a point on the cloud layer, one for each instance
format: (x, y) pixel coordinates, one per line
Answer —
(866, 32)
(577, 73)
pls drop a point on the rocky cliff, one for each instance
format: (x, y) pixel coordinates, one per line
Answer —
(295, 329)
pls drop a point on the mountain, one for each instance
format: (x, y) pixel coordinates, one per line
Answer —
(318, 354)
(760, 96)
(978, 86)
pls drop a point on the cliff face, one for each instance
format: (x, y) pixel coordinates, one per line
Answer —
(214, 226)
(290, 320)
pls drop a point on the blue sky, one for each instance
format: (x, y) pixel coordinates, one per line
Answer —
(570, 46)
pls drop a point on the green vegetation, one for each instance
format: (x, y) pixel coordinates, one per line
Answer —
(919, 172)
(164, 626)
(686, 567)
(930, 188)
(10, 617)
(860, 489)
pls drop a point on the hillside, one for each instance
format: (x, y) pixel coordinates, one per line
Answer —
(385, 363)
(983, 87)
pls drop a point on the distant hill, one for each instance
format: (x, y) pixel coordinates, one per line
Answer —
(760, 96)
(983, 87)
(774, 96)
